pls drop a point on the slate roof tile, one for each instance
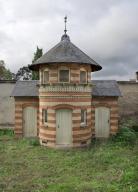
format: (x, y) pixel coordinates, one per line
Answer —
(65, 52)
(100, 88)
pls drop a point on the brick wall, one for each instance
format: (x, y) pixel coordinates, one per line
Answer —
(75, 103)
(112, 104)
(74, 72)
(69, 96)
(20, 104)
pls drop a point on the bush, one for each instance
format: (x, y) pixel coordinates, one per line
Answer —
(126, 133)
(135, 128)
(8, 132)
(130, 123)
(34, 142)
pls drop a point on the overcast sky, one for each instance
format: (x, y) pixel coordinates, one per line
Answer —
(106, 30)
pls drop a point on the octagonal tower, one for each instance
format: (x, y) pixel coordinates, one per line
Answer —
(65, 93)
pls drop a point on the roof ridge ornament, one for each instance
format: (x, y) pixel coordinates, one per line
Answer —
(65, 36)
(65, 20)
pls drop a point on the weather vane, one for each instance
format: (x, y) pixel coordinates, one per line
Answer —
(65, 20)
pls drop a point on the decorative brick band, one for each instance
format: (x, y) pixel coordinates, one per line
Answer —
(66, 88)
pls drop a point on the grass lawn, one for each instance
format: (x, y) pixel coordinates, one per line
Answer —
(105, 167)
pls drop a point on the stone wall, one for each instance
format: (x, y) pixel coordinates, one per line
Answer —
(128, 103)
(6, 104)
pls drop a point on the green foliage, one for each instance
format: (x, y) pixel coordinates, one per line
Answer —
(103, 167)
(126, 133)
(130, 122)
(7, 132)
(35, 75)
(5, 74)
(135, 128)
(34, 142)
(24, 73)
(37, 55)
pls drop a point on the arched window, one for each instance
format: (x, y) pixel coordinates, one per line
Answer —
(45, 76)
(44, 116)
(83, 76)
(83, 117)
(64, 75)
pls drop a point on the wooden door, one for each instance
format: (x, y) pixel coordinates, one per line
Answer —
(30, 121)
(102, 122)
(64, 127)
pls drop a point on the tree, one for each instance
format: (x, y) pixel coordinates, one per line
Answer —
(5, 74)
(24, 73)
(37, 55)
(1, 69)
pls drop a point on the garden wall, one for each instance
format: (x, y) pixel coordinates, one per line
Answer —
(128, 103)
(6, 104)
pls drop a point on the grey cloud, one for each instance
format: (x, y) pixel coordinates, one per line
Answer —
(105, 29)
(3, 38)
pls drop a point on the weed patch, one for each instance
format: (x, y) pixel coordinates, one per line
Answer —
(7, 132)
(109, 166)
(102, 167)
(126, 134)
(34, 142)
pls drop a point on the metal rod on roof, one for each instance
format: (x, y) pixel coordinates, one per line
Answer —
(65, 20)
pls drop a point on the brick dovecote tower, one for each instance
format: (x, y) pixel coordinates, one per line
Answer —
(65, 94)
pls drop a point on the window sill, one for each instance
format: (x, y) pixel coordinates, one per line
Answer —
(83, 125)
(45, 124)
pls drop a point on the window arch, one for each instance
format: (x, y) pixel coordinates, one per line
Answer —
(45, 76)
(83, 117)
(64, 74)
(83, 76)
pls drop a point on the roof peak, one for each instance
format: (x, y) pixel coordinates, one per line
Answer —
(65, 52)
(65, 37)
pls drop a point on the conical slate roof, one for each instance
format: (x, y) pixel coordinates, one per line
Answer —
(65, 52)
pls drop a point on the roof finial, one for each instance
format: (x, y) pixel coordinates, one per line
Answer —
(65, 36)
(65, 20)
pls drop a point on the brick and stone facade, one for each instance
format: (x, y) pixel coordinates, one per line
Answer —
(20, 104)
(112, 104)
(72, 95)
(76, 95)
